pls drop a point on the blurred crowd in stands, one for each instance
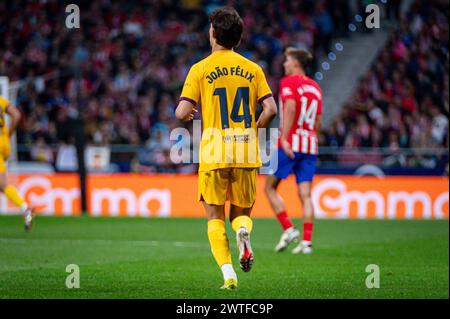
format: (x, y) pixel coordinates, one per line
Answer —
(123, 70)
(403, 101)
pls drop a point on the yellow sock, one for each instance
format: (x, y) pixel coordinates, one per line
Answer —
(219, 241)
(242, 221)
(13, 195)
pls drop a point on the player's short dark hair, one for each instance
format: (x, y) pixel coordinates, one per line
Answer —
(303, 56)
(227, 26)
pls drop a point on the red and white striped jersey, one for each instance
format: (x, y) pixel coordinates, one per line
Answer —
(308, 104)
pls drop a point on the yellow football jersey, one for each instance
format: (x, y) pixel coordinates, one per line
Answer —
(3, 127)
(228, 88)
(5, 148)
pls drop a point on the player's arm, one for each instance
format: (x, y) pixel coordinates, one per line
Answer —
(318, 124)
(265, 98)
(185, 111)
(15, 115)
(269, 112)
(288, 121)
(189, 96)
(288, 99)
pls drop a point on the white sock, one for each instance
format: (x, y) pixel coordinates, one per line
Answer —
(290, 229)
(23, 208)
(228, 272)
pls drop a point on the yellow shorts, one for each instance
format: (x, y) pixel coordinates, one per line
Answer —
(236, 184)
(5, 150)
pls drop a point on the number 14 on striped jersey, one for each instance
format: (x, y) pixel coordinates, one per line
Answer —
(308, 113)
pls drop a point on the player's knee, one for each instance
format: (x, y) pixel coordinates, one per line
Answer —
(269, 189)
(3, 182)
(305, 195)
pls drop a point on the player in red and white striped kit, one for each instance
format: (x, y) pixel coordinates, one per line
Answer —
(300, 118)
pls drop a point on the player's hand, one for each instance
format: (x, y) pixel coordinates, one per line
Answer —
(287, 148)
(191, 115)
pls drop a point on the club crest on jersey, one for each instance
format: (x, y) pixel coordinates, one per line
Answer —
(286, 91)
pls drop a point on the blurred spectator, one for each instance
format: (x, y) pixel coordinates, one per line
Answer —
(132, 58)
(439, 130)
(41, 152)
(403, 100)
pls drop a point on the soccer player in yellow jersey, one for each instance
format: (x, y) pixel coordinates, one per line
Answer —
(228, 88)
(5, 133)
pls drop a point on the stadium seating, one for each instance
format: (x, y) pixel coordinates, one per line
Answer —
(403, 101)
(133, 58)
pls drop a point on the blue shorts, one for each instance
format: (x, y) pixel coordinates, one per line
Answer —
(303, 165)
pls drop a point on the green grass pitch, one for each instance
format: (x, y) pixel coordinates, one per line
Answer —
(170, 258)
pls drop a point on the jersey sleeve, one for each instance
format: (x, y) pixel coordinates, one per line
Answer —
(191, 88)
(264, 90)
(286, 90)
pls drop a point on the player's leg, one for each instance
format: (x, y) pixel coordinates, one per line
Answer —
(276, 201)
(212, 192)
(304, 179)
(13, 195)
(305, 246)
(219, 243)
(290, 233)
(242, 197)
(242, 224)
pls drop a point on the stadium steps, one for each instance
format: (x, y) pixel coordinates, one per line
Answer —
(340, 81)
